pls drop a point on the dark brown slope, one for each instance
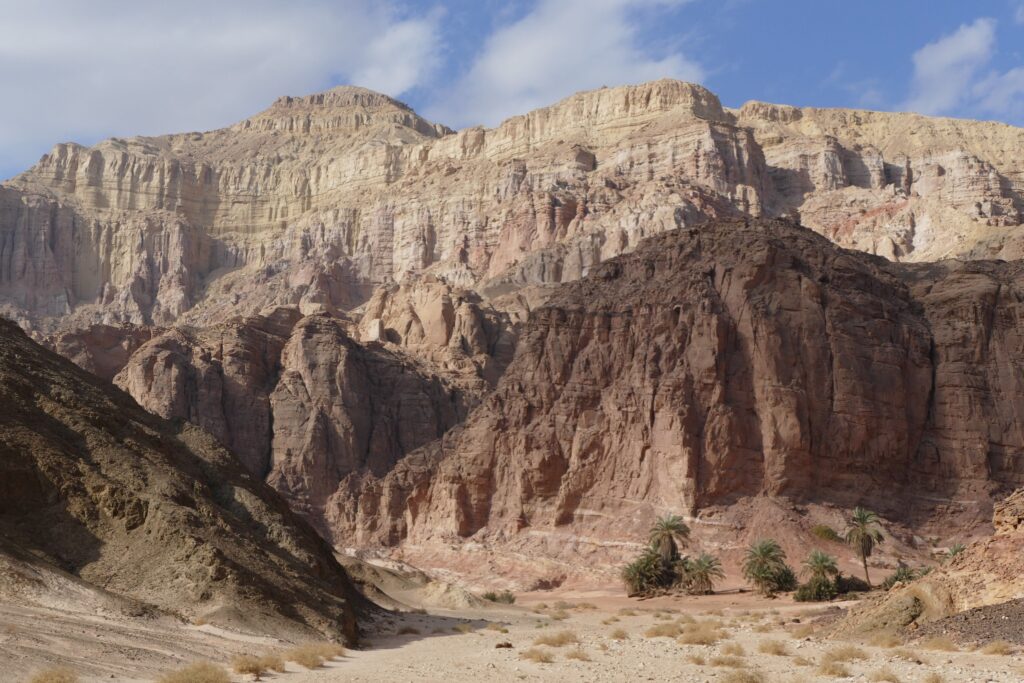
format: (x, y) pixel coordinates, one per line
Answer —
(735, 360)
(161, 514)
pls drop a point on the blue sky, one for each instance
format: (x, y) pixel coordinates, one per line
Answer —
(82, 71)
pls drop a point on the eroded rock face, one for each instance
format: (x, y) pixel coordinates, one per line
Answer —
(156, 514)
(722, 362)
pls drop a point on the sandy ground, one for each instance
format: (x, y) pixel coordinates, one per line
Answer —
(460, 645)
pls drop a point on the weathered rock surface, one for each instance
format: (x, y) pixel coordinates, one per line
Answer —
(164, 516)
(726, 361)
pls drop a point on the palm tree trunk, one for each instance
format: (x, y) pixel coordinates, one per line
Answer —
(864, 559)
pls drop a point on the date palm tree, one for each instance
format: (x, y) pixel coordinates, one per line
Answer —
(764, 562)
(864, 535)
(820, 566)
(703, 571)
(667, 534)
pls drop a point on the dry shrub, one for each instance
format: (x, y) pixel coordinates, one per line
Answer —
(562, 604)
(559, 615)
(463, 628)
(247, 664)
(312, 655)
(585, 605)
(578, 653)
(933, 678)
(609, 620)
(834, 669)
(626, 612)
(662, 615)
(762, 628)
(773, 647)
(495, 626)
(328, 650)
(701, 633)
(272, 661)
(56, 675)
(198, 672)
(714, 613)
(618, 634)
(942, 643)
(998, 647)
(537, 655)
(743, 676)
(886, 639)
(667, 630)
(726, 660)
(685, 619)
(557, 639)
(734, 649)
(697, 659)
(803, 631)
(801, 661)
(883, 675)
(846, 653)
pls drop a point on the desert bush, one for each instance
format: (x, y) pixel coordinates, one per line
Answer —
(826, 533)
(844, 653)
(907, 656)
(801, 661)
(886, 639)
(696, 659)
(626, 612)
(463, 628)
(773, 647)
(955, 550)
(851, 584)
(504, 597)
(557, 639)
(834, 669)
(247, 664)
(272, 661)
(559, 615)
(610, 620)
(997, 647)
(305, 656)
(59, 674)
(883, 675)
(585, 605)
(618, 634)
(933, 678)
(701, 633)
(942, 643)
(669, 630)
(728, 660)
(578, 653)
(734, 649)
(537, 655)
(198, 672)
(743, 676)
(803, 631)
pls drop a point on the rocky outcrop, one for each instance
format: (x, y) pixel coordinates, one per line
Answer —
(727, 361)
(162, 516)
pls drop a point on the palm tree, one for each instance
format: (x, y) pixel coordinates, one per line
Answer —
(703, 572)
(664, 535)
(864, 535)
(820, 566)
(764, 562)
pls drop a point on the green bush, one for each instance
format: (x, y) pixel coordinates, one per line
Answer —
(851, 584)
(903, 574)
(506, 597)
(826, 533)
(646, 574)
(817, 589)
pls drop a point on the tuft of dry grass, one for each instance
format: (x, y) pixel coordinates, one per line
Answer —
(666, 630)
(578, 653)
(803, 631)
(883, 675)
(801, 661)
(618, 634)
(886, 639)
(942, 643)
(933, 678)
(845, 653)
(562, 604)
(59, 674)
(537, 655)
(685, 619)
(773, 647)
(743, 676)
(734, 649)
(198, 672)
(585, 605)
(998, 647)
(834, 669)
(272, 661)
(557, 639)
(313, 655)
(559, 615)
(726, 660)
(463, 628)
(697, 659)
(701, 633)
(610, 620)
(626, 612)
(247, 664)
(763, 628)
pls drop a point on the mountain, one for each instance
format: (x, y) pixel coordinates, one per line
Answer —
(117, 503)
(532, 339)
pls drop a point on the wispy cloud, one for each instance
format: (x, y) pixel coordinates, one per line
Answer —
(82, 70)
(559, 47)
(946, 70)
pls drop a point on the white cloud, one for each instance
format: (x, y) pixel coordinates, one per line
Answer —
(83, 70)
(1018, 14)
(558, 48)
(945, 71)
